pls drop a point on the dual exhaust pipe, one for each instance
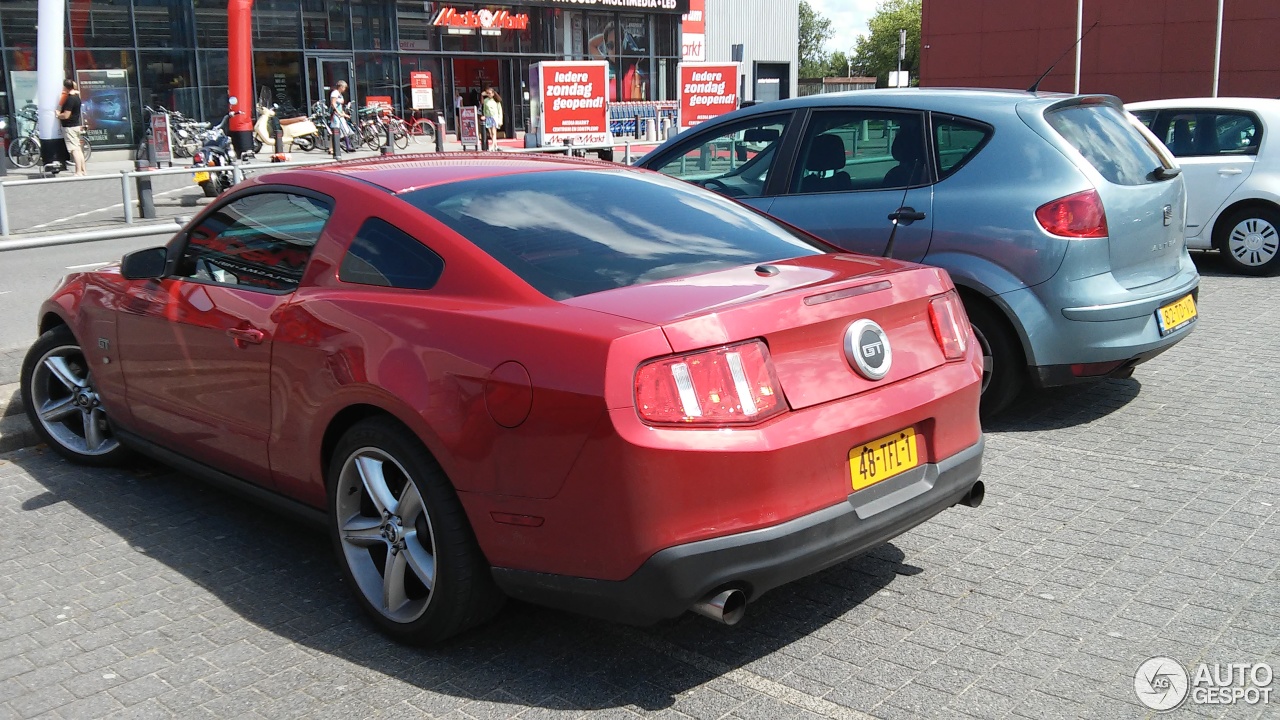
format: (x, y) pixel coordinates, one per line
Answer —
(728, 606)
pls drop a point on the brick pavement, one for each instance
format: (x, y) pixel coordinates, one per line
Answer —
(1123, 520)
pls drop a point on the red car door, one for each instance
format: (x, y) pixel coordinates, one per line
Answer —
(195, 347)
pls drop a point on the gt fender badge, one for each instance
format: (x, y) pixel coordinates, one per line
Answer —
(867, 348)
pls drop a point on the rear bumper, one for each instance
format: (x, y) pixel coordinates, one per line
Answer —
(672, 580)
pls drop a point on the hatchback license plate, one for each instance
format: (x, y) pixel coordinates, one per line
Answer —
(202, 177)
(883, 458)
(1176, 314)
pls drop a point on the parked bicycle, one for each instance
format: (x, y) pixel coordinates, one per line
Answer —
(24, 150)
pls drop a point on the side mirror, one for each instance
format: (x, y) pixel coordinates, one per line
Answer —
(146, 264)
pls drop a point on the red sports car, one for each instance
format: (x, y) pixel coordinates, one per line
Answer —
(579, 384)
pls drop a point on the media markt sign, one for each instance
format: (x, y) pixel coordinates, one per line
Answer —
(707, 91)
(570, 102)
(488, 22)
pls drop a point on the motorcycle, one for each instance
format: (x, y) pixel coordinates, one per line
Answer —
(215, 151)
(299, 131)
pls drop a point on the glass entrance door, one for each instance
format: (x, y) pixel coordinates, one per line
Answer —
(325, 73)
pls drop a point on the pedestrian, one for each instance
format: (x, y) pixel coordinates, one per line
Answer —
(492, 115)
(338, 116)
(457, 110)
(69, 116)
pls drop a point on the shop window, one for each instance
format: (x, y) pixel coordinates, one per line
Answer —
(211, 27)
(371, 24)
(276, 24)
(18, 25)
(168, 79)
(377, 76)
(326, 24)
(279, 78)
(213, 84)
(414, 22)
(100, 23)
(165, 23)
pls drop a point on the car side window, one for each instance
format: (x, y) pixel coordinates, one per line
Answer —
(851, 150)
(260, 241)
(1208, 134)
(735, 161)
(383, 255)
(957, 141)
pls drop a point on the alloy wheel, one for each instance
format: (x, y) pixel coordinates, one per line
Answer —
(386, 535)
(1253, 242)
(67, 403)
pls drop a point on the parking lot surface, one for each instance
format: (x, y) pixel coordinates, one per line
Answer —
(1123, 520)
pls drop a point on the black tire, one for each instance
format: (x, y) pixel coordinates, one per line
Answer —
(86, 147)
(1249, 240)
(1004, 366)
(257, 146)
(62, 402)
(24, 152)
(382, 454)
(305, 143)
(209, 188)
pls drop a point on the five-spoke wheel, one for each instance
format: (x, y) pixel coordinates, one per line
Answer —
(63, 403)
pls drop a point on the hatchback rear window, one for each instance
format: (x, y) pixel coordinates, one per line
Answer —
(1106, 137)
(576, 232)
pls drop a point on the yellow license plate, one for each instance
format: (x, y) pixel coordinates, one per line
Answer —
(883, 458)
(1176, 314)
(202, 177)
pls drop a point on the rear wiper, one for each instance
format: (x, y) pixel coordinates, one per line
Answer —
(1167, 173)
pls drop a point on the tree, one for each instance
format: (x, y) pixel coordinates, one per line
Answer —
(815, 30)
(837, 64)
(877, 53)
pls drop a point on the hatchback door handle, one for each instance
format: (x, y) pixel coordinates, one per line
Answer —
(906, 215)
(246, 335)
(1230, 171)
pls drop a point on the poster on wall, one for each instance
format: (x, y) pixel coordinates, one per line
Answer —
(22, 89)
(693, 33)
(104, 101)
(707, 91)
(571, 102)
(421, 94)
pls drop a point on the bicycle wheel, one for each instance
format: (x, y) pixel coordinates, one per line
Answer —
(24, 152)
(423, 130)
(86, 147)
(400, 132)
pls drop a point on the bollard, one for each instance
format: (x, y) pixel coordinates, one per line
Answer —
(390, 147)
(237, 175)
(146, 201)
(127, 196)
(335, 140)
(439, 132)
(4, 213)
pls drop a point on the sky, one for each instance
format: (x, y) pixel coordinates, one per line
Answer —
(848, 20)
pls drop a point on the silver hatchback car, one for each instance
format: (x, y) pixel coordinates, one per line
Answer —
(1059, 217)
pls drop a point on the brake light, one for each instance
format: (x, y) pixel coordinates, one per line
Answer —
(1075, 216)
(950, 324)
(732, 385)
(197, 158)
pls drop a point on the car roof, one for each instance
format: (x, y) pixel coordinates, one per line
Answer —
(944, 99)
(405, 173)
(1268, 105)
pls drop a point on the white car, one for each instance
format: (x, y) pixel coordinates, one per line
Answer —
(1231, 167)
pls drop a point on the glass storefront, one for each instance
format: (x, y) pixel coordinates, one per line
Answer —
(173, 52)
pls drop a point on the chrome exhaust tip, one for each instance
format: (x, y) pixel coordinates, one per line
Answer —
(974, 497)
(727, 607)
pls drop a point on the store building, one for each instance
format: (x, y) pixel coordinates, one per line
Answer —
(1138, 50)
(768, 32)
(173, 53)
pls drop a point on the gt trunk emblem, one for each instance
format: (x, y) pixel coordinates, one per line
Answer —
(866, 348)
(1168, 215)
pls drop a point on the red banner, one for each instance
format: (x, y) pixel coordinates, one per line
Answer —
(706, 91)
(573, 102)
(693, 32)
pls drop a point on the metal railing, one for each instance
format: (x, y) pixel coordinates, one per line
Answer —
(627, 157)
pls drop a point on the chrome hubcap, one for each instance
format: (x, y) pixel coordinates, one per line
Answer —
(386, 535)
(67, 404)
(1253, 242)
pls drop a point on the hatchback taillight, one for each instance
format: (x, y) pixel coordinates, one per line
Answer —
(1075, 216)
(732, 385)
(950, 324)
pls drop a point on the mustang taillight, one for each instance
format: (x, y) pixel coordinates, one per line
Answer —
(1075, 216)
(732, 385)
(950, 324)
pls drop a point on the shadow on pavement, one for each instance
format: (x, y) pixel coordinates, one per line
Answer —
(1210, 263)
(279, 575)
(1065, 407)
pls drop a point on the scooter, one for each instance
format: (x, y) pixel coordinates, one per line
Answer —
(299, 131)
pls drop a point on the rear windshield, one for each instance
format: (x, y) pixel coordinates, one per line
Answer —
(1109, 141)
(577, 232)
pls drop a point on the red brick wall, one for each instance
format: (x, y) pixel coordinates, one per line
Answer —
(1141, 49)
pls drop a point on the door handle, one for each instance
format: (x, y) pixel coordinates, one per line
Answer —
(246, 335)
(906, 215)
(1230, 171)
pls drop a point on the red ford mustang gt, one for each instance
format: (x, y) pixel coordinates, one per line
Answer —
(578, 384)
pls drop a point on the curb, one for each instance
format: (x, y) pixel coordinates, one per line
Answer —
(15, 430)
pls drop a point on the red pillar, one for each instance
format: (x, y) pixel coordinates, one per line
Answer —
(240, 71)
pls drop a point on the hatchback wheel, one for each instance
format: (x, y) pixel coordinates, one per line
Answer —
(402, 537)
(1003, 368)
(62, 401)
(1250, 240)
